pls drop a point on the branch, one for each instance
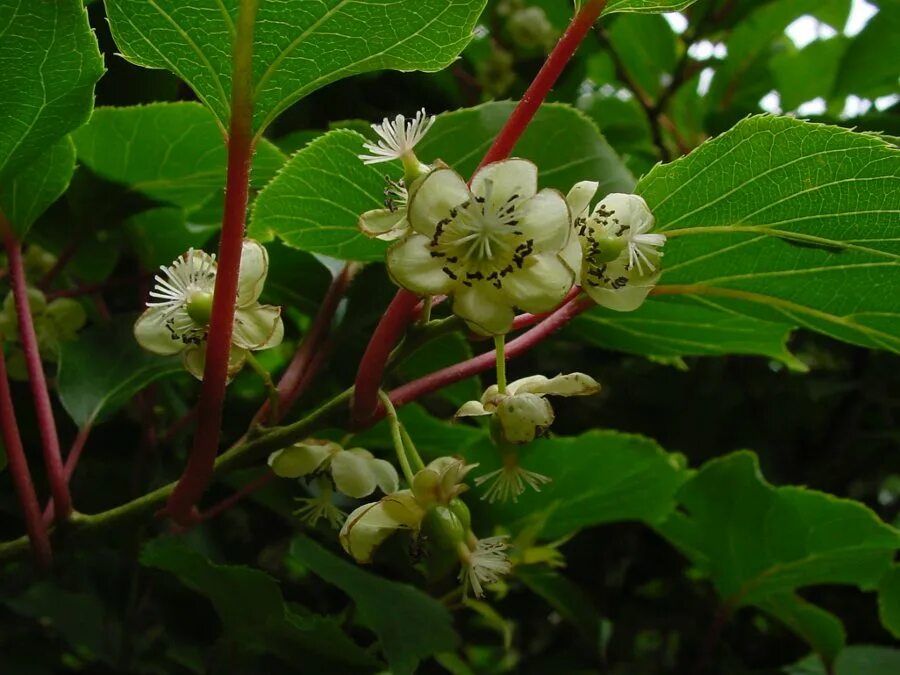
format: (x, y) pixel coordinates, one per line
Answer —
(39, 391)
(18, 469)
(69, 468)
(199, 471)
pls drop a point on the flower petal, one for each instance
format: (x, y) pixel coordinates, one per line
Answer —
(484, 308)
(572, 255)
(352, 473)
(257, 327)
(194, 360)
(439, 192)
(368, 526)
(524, 416)
(545, 219)
(384, 224)
(301, 459)
(499, 182)
(411, 265)
(385, 475)
(573, 384)
(540, 285)
(151, 333)
(580, 196)
(253, 271)
(472, 409)
(625, 299)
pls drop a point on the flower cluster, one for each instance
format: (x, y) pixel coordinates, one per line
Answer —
(177, 317)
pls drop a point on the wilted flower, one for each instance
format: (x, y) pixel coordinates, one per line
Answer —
(620, 258)
(177, 317)
(493, 247)
(484, 564)
(355, 472)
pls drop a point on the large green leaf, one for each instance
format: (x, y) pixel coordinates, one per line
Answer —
(598, 477)
(299, 45)
(27, 195)
(171, 152)
(820, 629)
(253, 611)
(315, 202)
(646, 44)
(671, 327)
(787, 221)
(855, 660)
(101, 370)
(410, 625)
(646, 6)
(50, 62)
(889, 601)
(759, 544)
(869, 67)
(808, 73)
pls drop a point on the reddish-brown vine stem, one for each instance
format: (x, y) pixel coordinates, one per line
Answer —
(193, 482)
(18, 469)
(43, 408)
(71, 462)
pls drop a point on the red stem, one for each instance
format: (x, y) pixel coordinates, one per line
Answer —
(483, 362)
(237, 496)
(544, 81)
(18, 469)
(199, 470)
(67, 254)
(69, 468)
(399, 314)
(296, 374)
(40, 393)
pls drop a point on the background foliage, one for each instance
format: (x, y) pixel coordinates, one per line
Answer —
(676, 534)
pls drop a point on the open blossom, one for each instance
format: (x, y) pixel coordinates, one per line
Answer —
(493, 248)
(619, 256)
(397, 138)
(486, 563)
(355, 472)
(176, 320)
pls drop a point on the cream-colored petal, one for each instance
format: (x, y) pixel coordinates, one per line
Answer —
(276, 337)
(441, 191)
(368, 526)
(580, 196)
(472, 409)
(253, 271)
(151, 333)
(194, 360)
(540, 285)
(627, 209)
(385, 475)
(300, 459)
(545, 220)
(505, 182)
(573, 384)
(353, 474)
(256, 326)
(411, 265)
(486, 310)
(624, 299)
(572, 255)
(384, 224)
(524, 417)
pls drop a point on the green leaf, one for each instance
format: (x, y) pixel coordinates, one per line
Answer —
(889, 601)
(26, 196)
(821, 630)
(673, 327)
(101, 370)
(440, 353)
(646, 45)
(856, 660)
(50, 62)
(809, 73)
(646, 6)
(786, 221)
(299, 46)
(598, 477)
(410, 625)
(164, 233)
(759, 544)
(315, 202)
(171, 152)
(869, 68)
(252, 609)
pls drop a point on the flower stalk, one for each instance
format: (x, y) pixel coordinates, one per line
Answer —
(397, 437)
(53, 463)
(499, 348)
(181, 505)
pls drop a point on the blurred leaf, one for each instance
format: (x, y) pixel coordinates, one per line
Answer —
(808, 73)
(646, 45)
(889, 601)
(36, 186)
(172, 152)
(821, 630)
(670, 327)
(789, 222)
(646, 6)
(162, 234)
(409, 624)
(296, 279)
(50, 63)
(760, 543)
(298, 46)
(856, 660)
(104, 368)
(440, 353)
(598, 477)
(252, 609)
(869, 67)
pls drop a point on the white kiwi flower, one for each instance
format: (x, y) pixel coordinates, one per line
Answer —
(176, 320)
(493, 247)
(397, 138)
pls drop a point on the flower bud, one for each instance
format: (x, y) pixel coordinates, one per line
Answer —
(521, 418)
(529, 28)
(443, 528)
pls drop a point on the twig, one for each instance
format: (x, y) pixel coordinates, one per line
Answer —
(69, 468)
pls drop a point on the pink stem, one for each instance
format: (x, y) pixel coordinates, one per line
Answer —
(18, 469)
(237, 496)
(69, 468)
(39, 390)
